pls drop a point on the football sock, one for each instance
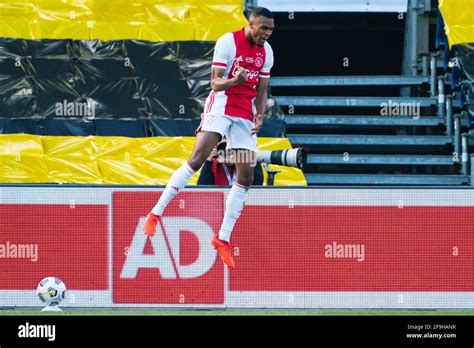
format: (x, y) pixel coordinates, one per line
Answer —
(234, 205)
(178, 180)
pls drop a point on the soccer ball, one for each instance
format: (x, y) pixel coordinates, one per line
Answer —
(51, 291)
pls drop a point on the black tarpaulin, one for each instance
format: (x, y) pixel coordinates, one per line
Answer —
(68, 80)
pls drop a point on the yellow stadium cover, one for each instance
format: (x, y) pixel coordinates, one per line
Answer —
(28, 158)
(154, 20)
(458, 18)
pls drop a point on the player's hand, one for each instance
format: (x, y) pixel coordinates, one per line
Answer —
(258, 124)
(241, 76)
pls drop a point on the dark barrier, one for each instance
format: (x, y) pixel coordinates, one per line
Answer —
(51, 78)
(79, 83)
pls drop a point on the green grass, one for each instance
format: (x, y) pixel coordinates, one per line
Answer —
(237, 312)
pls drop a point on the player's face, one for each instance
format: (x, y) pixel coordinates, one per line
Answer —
(260, 29)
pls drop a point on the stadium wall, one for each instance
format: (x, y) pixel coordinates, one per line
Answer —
(294, 248)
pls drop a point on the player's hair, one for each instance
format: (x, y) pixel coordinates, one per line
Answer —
(261, 11)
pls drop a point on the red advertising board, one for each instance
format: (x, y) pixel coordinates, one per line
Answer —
(66, 241)
(354, 248)
(307, 248)
(178, 265)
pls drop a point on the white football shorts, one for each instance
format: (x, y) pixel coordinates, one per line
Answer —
(236, 129)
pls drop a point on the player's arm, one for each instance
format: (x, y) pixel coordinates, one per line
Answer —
(219, 84)
(260, 103)
(261, 98)
(224, 54)
(262, 87)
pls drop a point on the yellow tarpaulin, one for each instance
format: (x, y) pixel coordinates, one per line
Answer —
(109, 160)
(154, 20)
(458, 18)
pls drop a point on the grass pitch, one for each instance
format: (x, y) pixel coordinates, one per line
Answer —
(231, 312)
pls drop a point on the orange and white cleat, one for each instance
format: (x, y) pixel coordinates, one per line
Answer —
(225, 251)
(149, 226)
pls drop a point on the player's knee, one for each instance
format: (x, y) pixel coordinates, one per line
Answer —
(245, 179)
(197, 160)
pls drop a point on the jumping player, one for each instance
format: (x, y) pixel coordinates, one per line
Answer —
(234, 108)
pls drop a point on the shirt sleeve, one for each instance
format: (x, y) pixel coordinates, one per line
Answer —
(222, 52)
(265, 72)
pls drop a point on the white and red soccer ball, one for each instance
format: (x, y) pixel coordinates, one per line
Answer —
(51, 291)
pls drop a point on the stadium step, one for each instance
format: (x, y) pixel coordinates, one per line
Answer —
(385, 179)
(362, 120)
(404, 102)
(380, 159)
(344, 153)
(317, 81)
(400, 140)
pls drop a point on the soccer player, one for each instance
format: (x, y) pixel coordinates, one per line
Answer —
(234, 108)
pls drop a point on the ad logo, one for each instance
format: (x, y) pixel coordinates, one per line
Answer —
(178, 265)
(168, 240)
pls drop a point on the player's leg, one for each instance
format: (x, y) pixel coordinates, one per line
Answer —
(208, 134)
(245, 146)
(233, 207)
(237, 195)
(205, 142)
